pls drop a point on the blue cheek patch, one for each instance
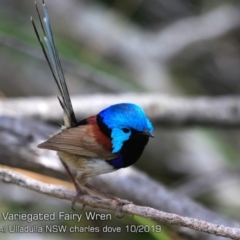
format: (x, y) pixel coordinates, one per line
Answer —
(118, 137)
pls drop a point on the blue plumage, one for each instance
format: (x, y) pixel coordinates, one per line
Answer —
(122, 119)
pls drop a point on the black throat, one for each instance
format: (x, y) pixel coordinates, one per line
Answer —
(132, 148)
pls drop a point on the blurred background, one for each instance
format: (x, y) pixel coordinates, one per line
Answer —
(174, 47)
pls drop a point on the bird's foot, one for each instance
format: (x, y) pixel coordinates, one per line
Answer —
(79, 193)
(120, 204)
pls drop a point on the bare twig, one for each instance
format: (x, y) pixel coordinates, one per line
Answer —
(63, 193)
(163, 110)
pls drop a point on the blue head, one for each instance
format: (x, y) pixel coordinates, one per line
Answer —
(122, 119)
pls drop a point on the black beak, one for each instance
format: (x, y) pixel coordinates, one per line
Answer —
(145, 132)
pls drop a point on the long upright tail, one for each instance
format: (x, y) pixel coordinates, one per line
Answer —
(51, 55)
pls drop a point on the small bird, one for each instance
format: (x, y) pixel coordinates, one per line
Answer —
(110, 140)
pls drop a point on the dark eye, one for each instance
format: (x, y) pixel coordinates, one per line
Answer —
(125, 130)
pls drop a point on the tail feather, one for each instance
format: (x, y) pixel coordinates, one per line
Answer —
(51, 55)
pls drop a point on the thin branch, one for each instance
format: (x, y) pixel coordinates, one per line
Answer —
(63, 193)
(163, 110)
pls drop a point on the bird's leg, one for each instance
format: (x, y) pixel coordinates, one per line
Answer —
(81, 180)
(98, 193)
(70, 175)
(79, 194)
(79, 191)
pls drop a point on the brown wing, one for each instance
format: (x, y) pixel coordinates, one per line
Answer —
(79, 140)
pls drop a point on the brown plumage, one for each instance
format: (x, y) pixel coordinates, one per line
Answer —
(79, 146)
(85, 140)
